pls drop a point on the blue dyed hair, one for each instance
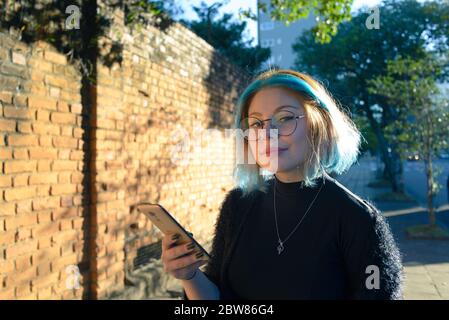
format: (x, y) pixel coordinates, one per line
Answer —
(333, 137)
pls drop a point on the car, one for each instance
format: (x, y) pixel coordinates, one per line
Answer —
(413, 157)
(444, 155)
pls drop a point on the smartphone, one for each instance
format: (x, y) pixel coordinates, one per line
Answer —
(165, 222)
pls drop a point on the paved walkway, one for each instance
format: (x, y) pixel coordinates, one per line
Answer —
(426, 262)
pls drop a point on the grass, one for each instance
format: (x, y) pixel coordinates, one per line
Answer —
(393, 196)
(426, 231)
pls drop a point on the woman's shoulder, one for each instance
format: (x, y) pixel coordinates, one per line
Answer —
(350, 204)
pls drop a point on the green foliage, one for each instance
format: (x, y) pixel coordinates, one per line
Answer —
(356, 54)
(226, 36)
(422, 122)
(329, 13)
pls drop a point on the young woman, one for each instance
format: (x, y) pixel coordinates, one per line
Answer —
(288, 230)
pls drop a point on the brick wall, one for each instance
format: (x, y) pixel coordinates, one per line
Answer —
(49, 222)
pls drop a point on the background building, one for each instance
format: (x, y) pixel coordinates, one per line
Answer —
(279, 37)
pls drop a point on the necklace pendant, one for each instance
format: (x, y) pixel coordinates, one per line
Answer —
(280, 247)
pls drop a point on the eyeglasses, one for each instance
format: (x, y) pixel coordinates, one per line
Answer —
(284, 121)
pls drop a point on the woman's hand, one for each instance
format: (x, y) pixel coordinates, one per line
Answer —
(180, 260)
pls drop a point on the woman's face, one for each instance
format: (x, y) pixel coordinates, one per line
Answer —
(292, 149)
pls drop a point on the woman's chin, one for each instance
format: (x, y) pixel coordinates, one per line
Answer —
(274, 166)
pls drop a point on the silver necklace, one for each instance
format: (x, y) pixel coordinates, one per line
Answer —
(281, 243)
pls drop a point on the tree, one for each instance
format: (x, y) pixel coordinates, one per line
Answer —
(329, 13)
(226, 37)
(423, 114)
(356, 55)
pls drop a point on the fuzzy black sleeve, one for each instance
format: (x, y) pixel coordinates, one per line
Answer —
(213, 267)
(371, 257)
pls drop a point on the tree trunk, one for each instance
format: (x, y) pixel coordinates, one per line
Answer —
(429, 176)
(392, 161)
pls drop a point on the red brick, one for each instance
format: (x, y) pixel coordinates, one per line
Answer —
(24, 127)
(23, 234)
(46, 280)
(20, 180)
(21, 278)
(6, 266)
(20, 154)
(64, 177)
(43, 268)
(6, 97)
(46, 203)
(63, 189)
(44, 242)
(20, 193)
(44, 217)
(65, 142)
(44, 165)
(45, 141)
(78, 132)
(7, 125)
(26, 219)
(63, 262)
(20, 101)
(23, 263)
(21, 140)
(43, 178)
(42, 115)
(55, 57)
(17, 166)
(47, 229)
(63, 118)
(8, 237)
(67, 131)
(46, 128)
(55, 80)
(24, 206)
(61, 165)
(77, 177)
(43, 153)
(42, 103)
(66, 201)
(20, 248)
(6, 154)
(7, 209)
(5, 182)
(76, 108)
(17, 113)
(63, 106)
(7, 294)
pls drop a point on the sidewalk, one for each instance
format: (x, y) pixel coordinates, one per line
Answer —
(426, 262)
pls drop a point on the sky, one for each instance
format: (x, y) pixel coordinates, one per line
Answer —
(233, 6)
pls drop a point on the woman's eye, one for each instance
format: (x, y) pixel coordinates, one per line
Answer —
(287, 118)
(255, 125)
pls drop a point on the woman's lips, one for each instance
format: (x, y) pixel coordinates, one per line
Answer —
(275, 150)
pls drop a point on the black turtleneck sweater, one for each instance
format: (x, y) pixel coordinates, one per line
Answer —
(325, 258)
(331, 255)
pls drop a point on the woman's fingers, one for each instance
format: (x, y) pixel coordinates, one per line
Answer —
(168, 240)
(179, 250)
(183, 262)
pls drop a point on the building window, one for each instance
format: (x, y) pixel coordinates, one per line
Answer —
(279, 40)
(265, 43)
(279, 57)
(264, 26)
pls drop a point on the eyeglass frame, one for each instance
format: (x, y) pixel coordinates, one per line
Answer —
(264, 128)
